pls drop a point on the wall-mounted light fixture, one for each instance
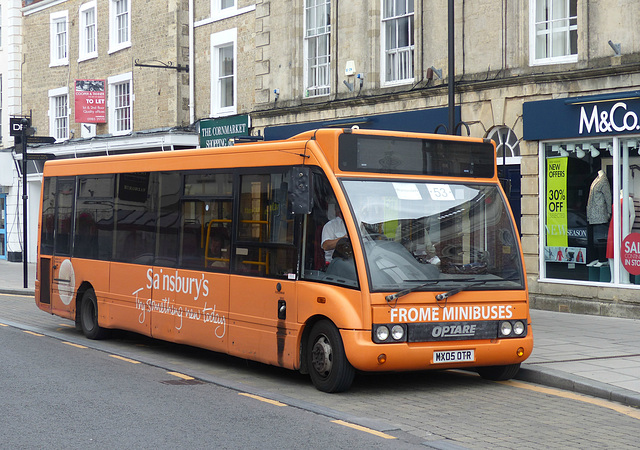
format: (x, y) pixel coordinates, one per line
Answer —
(594, 152)
(615, 47)
(276, 93)
(431, 71)
(580, 153)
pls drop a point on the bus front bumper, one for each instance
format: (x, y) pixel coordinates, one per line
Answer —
(365, 355)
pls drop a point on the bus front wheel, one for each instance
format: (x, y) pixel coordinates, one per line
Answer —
(89, 316)
(329, 368)
(498, 373)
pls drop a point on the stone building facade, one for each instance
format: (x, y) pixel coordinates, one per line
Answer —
(554, 82)
(528, 74)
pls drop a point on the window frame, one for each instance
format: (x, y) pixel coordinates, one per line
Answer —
(114, 43)
(55, 94)
(384, 51)
(313, 37)
(220, 41)
(55, 58)
(113, 82)
(533, 34)
(85, 35)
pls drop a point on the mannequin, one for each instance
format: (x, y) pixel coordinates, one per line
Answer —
(624, 275)
(598, 215)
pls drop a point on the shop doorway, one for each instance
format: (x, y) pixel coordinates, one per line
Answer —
(508, 155)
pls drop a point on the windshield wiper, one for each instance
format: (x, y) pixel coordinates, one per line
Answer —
(397, 295)
(391, 297)
(454, 291)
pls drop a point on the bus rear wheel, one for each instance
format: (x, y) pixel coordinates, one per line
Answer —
(89, 316)
(329, 368)
(498, 373)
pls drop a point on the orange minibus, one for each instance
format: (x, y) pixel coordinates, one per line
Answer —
(333, 251)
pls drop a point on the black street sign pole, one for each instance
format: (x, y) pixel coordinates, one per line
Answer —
(25, 250)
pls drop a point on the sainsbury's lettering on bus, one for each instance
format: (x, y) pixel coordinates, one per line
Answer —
(173, 282)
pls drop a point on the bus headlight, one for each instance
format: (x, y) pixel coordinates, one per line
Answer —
(397, 332)
(505, 328)
(512, 329)
(518, 328)
(389, 333)
(382, 333)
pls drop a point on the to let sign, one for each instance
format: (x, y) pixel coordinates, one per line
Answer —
(631, 253)
(90, 103)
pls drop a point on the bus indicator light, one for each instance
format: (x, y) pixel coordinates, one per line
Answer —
(382, 358)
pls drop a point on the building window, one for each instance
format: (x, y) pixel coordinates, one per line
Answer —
(397, 41)
(59, 113)
(554, 31)
(59, 40)
(224, 73)
(88, 42)
(218, 6)
(591, 210)
(120, 104)
(317, 48)
(119, 25)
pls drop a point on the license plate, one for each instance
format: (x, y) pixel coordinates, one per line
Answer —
(450, 356)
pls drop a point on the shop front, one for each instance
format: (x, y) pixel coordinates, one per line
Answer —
(589, 190)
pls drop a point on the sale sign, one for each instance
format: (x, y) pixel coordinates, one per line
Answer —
(631, 253)
(90, 101)
(557, 202)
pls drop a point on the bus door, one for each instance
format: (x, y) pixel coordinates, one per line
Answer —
(62, 276)
(263, 307)
(193, 302)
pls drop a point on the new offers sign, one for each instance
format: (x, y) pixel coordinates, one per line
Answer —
(218, 132)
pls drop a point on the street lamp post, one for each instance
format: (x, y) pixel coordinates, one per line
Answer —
(25, 269)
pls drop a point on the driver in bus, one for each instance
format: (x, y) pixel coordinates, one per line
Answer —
(332, 232)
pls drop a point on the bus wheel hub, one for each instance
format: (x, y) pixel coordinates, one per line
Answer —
(322, 356)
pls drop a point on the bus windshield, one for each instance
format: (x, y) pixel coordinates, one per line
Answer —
(420, 232)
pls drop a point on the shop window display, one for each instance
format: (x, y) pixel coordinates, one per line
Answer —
(592, 211)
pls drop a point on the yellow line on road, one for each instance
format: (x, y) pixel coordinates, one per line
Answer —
(626, 410)
(66, 325)
(365, 429)
(263, 399)
(3, 325)
(17, 295)
(31, 332)
(73, 345)
(180, 375)
(132, 361)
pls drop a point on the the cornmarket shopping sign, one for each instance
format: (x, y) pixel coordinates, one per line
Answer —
(218, 132)
(595, 115)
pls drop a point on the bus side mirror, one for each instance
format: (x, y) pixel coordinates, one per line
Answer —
(300, 190)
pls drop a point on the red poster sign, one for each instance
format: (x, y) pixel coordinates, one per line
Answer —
(631, 253)
(90, 102)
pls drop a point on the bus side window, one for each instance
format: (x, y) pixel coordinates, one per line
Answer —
(207, 210)
(136, 216)
(48, 215)
(341, 269)
(265, 245)
(94, 218)
(65, 196)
